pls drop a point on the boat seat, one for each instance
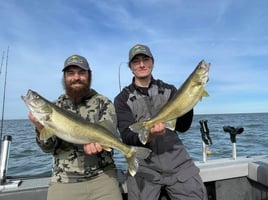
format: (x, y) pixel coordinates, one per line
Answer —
(258, 171)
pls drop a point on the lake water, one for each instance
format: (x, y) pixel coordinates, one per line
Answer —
(26, 158)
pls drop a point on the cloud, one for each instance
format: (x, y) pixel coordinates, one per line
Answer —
(229, 34)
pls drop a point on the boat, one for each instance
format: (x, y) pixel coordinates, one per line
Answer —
(245, 178)
(234, 178)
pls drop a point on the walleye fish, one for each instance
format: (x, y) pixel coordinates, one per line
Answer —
(74, 129)
(186, 97)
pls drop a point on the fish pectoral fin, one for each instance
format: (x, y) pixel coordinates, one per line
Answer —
(45, 134)
(205, 94)
(107, 148)
(171, 124)
(105, 124)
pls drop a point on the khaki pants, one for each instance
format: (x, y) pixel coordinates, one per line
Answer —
(103, 187)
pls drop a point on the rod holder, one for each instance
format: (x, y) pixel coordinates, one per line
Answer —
(233, 132)
(5, 149)
(206, 140)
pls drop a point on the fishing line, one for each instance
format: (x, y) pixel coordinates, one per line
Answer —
(4, 97)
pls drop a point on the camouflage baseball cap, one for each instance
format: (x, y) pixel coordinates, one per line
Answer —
(139, 49)
(76, 60)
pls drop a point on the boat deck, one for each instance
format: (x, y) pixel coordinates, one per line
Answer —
(245, 178)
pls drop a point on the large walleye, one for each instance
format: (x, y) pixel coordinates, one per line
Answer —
(186, 97)
(74, 129)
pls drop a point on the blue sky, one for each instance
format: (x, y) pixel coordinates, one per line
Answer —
(231, 35)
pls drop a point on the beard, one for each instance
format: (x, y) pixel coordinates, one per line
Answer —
(76, 93)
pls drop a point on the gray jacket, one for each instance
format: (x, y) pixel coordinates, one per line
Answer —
(169, 161)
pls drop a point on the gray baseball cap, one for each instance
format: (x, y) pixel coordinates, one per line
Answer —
(139, 49)
(76, 60)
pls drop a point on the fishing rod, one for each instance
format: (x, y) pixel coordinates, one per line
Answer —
(1, 67)
(4, 95)
(119, 78)
(2, 61)
(6, 141)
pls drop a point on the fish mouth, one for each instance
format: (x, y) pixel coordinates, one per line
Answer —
(29, 100)
(28, 97)
(205, 66)
(203, 71)
(37, 105)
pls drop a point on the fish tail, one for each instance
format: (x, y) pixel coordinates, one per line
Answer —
(135, 154)
(140, 128)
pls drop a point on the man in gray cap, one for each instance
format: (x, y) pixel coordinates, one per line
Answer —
(84, 172)
(169, 167)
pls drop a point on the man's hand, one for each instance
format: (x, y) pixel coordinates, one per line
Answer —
(92, 148)
(158, 129)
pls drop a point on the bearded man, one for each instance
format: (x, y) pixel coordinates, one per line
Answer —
(82, 172)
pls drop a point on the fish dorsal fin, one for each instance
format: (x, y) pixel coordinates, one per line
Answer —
(107, 125)
(104, 124)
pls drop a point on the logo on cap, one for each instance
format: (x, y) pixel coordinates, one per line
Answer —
(75, 59)
(138, 48)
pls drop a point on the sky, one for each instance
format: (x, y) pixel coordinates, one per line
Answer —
(231, 35)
